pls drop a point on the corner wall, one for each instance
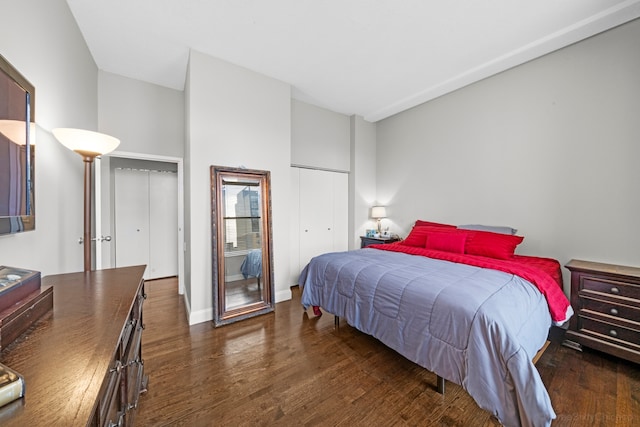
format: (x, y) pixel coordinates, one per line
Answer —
(235, 117)
(42, 40)
(362, 179)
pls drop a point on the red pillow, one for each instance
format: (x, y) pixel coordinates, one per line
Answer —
(447, 242)
(418, 235)
(493, 245)
(421, 223)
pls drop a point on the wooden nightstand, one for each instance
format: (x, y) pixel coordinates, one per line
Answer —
(606, 301)
(366, 241)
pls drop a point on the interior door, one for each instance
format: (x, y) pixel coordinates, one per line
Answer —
(163, 220)
(132, 218)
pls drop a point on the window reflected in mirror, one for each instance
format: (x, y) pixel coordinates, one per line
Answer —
(243, 248)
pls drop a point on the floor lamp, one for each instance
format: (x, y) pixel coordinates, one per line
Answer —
(89, 145)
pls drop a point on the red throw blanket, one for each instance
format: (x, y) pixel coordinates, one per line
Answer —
(544, 273)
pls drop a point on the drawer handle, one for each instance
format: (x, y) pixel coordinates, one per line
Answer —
(614, 311)
(615, 290)
(613, 333)
(116, 368)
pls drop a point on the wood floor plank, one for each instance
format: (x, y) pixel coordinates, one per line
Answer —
(288, 369)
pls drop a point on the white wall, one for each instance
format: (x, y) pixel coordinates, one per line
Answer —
(41, 39)
(236, 117)
(147, 118)
(362, 179)
(319, 137)
(550, 147)
(149, 121)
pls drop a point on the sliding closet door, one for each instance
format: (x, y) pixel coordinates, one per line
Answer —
(323, 213)
(131, 217)
(146, 221)
(316, 214)
(163, 220)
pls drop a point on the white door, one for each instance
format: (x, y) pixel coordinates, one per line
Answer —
(163, 217)
(131, 218)
(316, 214)
(324, 210)
(146, 221)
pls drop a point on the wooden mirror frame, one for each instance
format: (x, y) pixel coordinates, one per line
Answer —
(222, 315)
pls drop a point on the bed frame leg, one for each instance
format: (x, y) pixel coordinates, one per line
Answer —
(440, 386)
(336, 322)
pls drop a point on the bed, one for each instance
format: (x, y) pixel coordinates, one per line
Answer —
(457, 302)
(252, 264)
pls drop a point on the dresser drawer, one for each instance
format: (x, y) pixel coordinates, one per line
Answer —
(591, 284)
(615, 333)
(109, 406)
(613, 308)
(136, 312)
(132, 352)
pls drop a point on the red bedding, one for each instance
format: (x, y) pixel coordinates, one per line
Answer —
(544, 273)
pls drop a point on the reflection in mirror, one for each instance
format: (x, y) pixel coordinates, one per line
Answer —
(241, 234)
(17, 151)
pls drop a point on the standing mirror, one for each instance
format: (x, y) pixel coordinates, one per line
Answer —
(242, 252)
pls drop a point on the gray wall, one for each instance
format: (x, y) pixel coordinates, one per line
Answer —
(319, 137)
(550, 147)
(362, 179)
(149, 121)
(236, 117)
(41, 39)
(147, 118)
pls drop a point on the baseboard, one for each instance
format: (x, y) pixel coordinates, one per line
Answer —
(284, 295)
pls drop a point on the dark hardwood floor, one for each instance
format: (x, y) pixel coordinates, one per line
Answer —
(287, 369)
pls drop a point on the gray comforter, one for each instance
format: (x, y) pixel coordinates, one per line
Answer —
(476, 327)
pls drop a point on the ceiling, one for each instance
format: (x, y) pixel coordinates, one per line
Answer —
(373, 58)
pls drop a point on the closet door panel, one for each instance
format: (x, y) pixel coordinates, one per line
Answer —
(163, 223)
(316, 214)
(294, 227)
(131, 217)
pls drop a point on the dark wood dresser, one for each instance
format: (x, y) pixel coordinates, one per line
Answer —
(83, 364)
(606, 301)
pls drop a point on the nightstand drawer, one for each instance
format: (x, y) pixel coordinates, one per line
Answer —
(606, 302)
(590, 284)
(611, 332)
(609, 308)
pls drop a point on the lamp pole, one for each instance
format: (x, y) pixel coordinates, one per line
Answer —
(86, 239)
(89, 145)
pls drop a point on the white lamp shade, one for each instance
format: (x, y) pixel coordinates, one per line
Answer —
(86, 142)
(16, 131)
(378, 212)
